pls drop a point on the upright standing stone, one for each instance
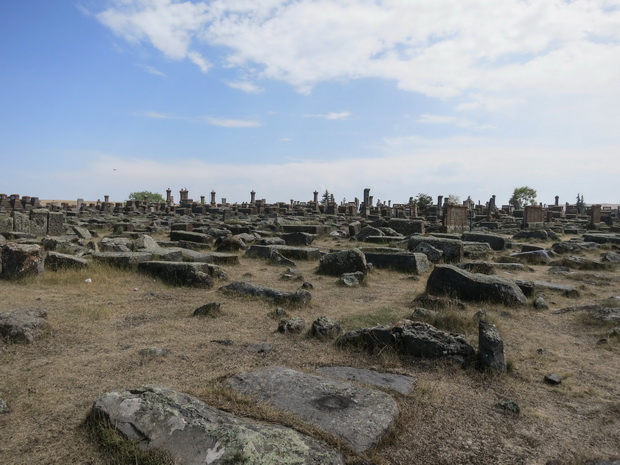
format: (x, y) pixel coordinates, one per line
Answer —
(21, 222)
(55, 223)
(491, 347)
(38, 221)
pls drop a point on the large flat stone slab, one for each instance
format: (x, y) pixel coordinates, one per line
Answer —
(405, 262)
(399, 383)
(357, 415)
(194, 433)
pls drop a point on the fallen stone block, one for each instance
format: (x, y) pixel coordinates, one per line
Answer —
(299, 298)
(453, 251)
(179, 273)
(194, 433)
(21, 260)
(23, 325)
(338, 263)
(59, 261)
(416, 263)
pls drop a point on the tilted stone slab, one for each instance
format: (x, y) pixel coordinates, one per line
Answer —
(529, 288)
(123, 259)
(488, 267)
(23, 325)
(191, 237)
(290, 252)
(416, 263)
(356, 415)
(475, 287)
(194, 433)
(299, 298)
(399, 383)
(179, 273)
(452, 249)
(59, 261)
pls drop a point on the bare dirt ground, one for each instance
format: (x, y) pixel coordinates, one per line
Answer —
(450, 418)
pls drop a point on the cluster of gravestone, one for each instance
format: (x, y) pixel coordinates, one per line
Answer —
(350, 404)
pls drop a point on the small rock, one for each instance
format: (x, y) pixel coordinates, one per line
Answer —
(294, 325)
(307, 285)
(4, 408)
(352, 279)
(325, 328)
(540, 303)
(601, 341)
(259, 347)
(553, 379)
(491, 347)
(151, 353)
(509, 406)
(223, 342)
(614, 332)
(423, 313)
(480, 315)
(212, 310)
(279, 312)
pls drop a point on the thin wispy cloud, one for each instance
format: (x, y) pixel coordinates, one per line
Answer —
(155, 115)
(246, 86)
(335, 116)
(152, 70)
(452, 120)
(232, 123)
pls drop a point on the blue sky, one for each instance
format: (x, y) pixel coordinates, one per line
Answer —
(468, 98)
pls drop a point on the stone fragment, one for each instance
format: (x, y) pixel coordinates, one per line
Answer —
(180, 273)
(23, 325)
(540, 303)
(509, 406)
(452, 249)
(416, 263)
(4, 407)
(352, 279)
(293, 325)
(211, 310)
(491, 347)
(356, 415)
(38, 221)
(452, 281)
(433, 254)
(194, 433)
(299, 298)
(229, 244)
(82, 233)
(553, 379)
(367, 232)
(325, 328)
(21, 260)
(347, 261)
(495, 242)
(59, 261)
(299, 238)
(123, 259)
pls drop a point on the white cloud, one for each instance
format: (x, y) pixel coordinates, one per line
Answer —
(336, 116)
(156, 115)
(245, 86)
(232, 123)
(452, 120)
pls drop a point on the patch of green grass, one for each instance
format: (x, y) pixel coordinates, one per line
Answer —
(382, 316)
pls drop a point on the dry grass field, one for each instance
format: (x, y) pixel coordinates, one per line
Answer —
(99, 328)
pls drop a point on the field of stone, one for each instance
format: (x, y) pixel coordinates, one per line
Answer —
(115, 326)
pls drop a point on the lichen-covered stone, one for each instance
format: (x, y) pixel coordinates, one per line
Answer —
(347, 261)
(21, 260)
(23, 325)
(194, 433)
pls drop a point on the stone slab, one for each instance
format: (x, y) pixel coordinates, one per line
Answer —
(399, 383)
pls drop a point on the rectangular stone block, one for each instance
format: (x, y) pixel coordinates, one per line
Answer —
(21, 222)
(38, 221)
(6, 224)
(55, 224)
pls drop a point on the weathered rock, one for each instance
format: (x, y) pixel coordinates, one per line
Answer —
(611, 257)
(123, 259)
(368, 231)
(540, 303)
(453, 251)
(539, 234)
(114, 244)
(452, 281)
(491, 347)
(408, 338)
(299, 238)
(229, 244)
(4, 407)
(495, 242)
(422, 313)
(529, 288)
(476, 250)
(21, 260)
(572, 247)
(535, 257)
(289, 252)
(356, 415)
(433, 254)
(211, 309)
(406, 227)
(602, 238)
(553, 379)
(399, 383)
(82, 233)
(325, 328)
(298, 298)
(179, 273)
(352, 279)
(188, 236)
(293, 325)
(509, 406)
(152, 353)
(23, 325)
(194, 433)
(416, 263)
(59, 261)
(436, 302)
(347, 261)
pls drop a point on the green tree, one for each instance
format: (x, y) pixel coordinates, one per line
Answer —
(422, 201)
(150, 197)
(523, 196)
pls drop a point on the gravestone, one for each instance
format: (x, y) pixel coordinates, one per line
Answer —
(55, 224)
(21, 222)
(38, 221)
(455, 218)
(533, 214)
(595, 214)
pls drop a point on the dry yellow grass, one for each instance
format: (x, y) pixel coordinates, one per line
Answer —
(99, 328)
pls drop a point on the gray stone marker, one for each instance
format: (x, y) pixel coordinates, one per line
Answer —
(55, 224)
(357, 415)
(38, 221)
(21, 222)
(194, 433)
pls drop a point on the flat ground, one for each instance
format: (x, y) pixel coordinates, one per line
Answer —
(100, 327)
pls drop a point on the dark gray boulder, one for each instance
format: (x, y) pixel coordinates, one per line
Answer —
(293, 325)
(491, 348)
(347, 261)
(23, 325)
(59, 261)
(433, 254)
(211, 310)
(453, 251)
(573, 247)
(539, 234)
(408, 337)
(356, 415)
(495, 242)
(21, 260)
(299, 238)
(299, 298)
(404, 262)
(368, 231)
(352, 279)
(179, 273)
(325, 328)
(475, 287)
(194, 433)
